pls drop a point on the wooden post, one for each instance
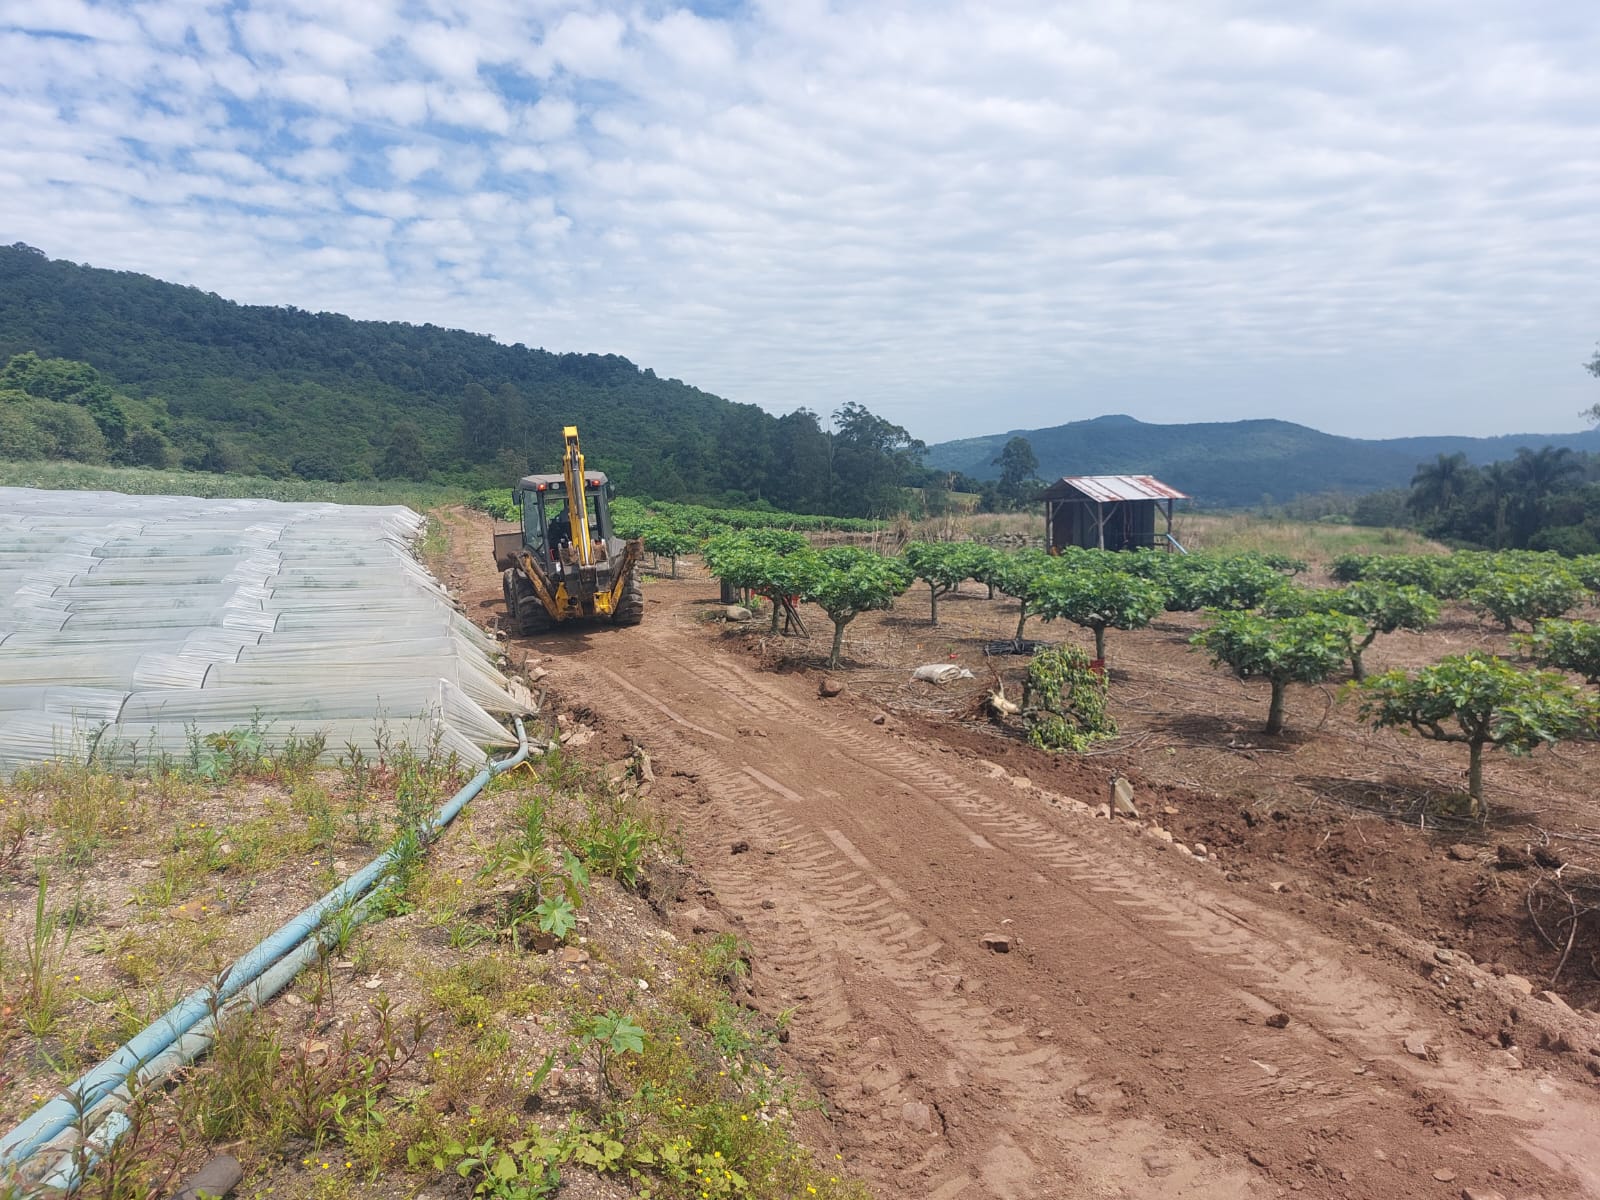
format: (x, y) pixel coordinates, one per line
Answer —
(1100, 523)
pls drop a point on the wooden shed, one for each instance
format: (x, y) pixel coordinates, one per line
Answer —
(1110, 512)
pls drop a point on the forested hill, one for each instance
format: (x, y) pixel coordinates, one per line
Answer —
(281, 391)
(1235, 462)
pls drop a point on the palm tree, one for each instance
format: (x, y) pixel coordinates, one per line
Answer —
(1439, 484)
(1538, 475)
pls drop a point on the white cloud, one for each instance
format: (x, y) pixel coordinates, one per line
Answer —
(967, 215)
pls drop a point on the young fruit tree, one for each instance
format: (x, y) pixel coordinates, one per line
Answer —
(1526, 596)
(762, 564)
(1566, 645)
(1196, 581)
(662, 539)
(1015, 575)
(1380, 606)
(1480, 701)
(849, 581)
(1098, 598)
(945, 566)
(1305, 649)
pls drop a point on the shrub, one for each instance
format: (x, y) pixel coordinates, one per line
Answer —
(1064, 701)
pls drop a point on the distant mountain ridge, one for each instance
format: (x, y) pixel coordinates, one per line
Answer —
(1230, 463)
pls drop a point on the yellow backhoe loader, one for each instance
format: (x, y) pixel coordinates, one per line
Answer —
(565, 563)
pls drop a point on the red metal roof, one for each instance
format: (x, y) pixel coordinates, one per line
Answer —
(1106, 488)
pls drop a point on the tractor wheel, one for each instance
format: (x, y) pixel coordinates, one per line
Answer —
(630, 606)
(524, 613)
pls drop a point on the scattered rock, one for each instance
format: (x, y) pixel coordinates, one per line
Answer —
(1257, 1157)
(998, 942)
(1122, 798)
(1444, 1174)
(1278, 1020)
(737, 612)
(1103, 810)
(829, 687)
(1480, 1194)
(1462, 852)
(1512, 858)
(769, 904)
(1417, 1046)
(1164, 834)
(1550, 997)
(1509, 1059)
(1520, 983)
(739, 847)
(879, 718)
(572, 956)
(1280, 887)
(1444, 956)
(917, 1115)
(1169, 810)
(1200, 850)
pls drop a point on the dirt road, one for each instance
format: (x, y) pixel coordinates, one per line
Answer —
(1132, 1042)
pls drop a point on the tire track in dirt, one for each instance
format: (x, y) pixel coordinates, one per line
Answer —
(1343, 1022)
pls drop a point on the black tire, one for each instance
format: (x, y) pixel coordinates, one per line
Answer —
(630, 606)
(524, 613)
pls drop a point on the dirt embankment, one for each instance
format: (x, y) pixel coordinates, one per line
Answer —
(1002, 994)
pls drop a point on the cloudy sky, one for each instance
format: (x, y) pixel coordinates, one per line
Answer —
(1371, 216)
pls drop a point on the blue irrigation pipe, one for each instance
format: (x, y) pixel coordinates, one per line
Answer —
(89, 1089)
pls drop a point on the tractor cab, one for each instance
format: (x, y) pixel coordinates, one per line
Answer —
(548, 522)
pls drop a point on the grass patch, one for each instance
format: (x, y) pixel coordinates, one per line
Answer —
(1313, 541)
(520, 1022)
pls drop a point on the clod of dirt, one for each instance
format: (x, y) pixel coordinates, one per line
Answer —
(1512, 858)
(1462, 852)
(739, 847)
(998, 942)
(829, 687)
(1122, 798)
(769, 904)
(1278, 1020)
(917, 1115)
(1417, 1046)
(1548, 859)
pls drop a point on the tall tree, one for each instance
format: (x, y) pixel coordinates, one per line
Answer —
(1018, 470)
(871, 457)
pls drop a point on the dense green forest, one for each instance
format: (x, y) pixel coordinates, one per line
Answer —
(154, 374)
(1234, 463)
(1545, 499)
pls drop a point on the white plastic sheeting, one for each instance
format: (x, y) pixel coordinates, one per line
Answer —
(137, 625)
